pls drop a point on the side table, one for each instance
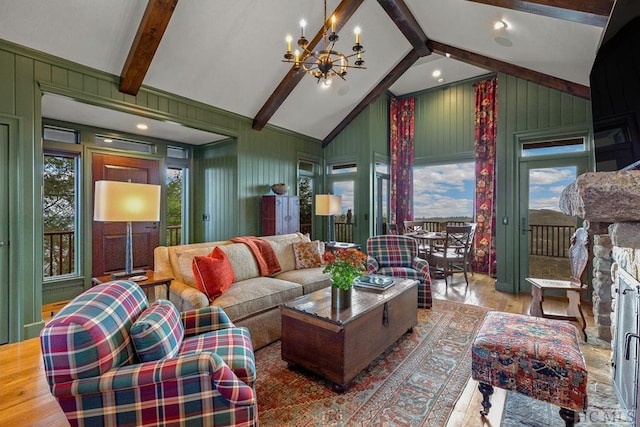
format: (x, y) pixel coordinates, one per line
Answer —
(153, 280)
(333, 246)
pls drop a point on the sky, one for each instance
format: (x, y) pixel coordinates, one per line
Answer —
(443, 191)
(448, 190)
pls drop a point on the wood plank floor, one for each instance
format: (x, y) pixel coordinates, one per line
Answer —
(25, 399)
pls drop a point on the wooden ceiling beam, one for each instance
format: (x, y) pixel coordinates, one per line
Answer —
(515, 70)
(152, 27)
(590, 12)
(343, 13)
(381, 88)
(407, 24)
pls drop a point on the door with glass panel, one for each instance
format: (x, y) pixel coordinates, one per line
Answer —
(544, 231)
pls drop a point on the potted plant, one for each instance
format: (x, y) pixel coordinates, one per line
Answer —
(344, 266)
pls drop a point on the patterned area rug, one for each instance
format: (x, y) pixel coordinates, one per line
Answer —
(413, 383)
(603, 409)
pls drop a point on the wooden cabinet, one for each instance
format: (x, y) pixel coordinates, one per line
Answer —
(280, 215)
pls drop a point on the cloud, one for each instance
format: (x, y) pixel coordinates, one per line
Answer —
(545, 203)
(548, 176)
(442, 178)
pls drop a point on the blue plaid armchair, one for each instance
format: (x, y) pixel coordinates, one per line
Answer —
(397, 256)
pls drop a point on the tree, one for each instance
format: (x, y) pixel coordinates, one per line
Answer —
(59, 193)
(174, 197)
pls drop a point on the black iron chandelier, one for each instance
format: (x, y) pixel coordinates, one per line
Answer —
(326, 63)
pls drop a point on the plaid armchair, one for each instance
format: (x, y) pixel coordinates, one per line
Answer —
(397, 256)
(94, 371)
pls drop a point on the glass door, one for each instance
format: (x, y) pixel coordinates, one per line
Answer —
(545, 232)
(4, 233)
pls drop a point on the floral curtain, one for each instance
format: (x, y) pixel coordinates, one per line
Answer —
(484, 253)
(401, 148)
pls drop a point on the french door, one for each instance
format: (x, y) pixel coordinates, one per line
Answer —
(544, 231)
(109, 239)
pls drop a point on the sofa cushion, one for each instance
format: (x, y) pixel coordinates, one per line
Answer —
(158, 332)
(311, 279)
(242, 261)
(255, 295)
(213, 273)
(308, 254)
(184, 260)
(282, 247)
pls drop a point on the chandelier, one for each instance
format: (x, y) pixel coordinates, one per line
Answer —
(326, 63)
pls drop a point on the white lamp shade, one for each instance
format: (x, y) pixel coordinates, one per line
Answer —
(126, 201)
(328, 204)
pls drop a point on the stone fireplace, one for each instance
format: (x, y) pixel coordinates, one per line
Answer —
(610, 204)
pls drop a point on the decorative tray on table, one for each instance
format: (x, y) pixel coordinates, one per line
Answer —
(374, 281)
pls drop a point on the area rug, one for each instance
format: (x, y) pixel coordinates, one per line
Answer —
(415, 382)
(603, 410)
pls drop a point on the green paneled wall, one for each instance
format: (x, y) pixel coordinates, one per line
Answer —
(240, 170)
(525, 107)
(444, 121)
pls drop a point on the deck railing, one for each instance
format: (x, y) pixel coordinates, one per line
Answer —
(58, 253)
(174, 235)
(550, 240)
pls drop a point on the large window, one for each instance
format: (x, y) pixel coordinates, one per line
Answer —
(306, 175)
(174, 206)
(60, 213)
(444, 192)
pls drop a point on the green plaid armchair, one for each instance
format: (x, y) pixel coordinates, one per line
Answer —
(112, 360)
(397, 256)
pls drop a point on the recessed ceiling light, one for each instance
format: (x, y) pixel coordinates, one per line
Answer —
(108, 140)
(436, 73)
(142, 126)
(500, 25)
(440, 80)
(448, 55)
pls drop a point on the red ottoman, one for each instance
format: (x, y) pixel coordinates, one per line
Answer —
(537, 357)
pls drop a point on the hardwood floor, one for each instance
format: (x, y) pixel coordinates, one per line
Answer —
(25, 399)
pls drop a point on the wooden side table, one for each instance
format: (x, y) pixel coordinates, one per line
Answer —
(153, 280)
(333, 246)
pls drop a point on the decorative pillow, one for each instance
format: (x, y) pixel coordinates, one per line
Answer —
(308, 254)
(158, 332)
(213, 273)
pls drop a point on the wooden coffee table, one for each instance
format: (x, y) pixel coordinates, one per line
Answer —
(339, 344)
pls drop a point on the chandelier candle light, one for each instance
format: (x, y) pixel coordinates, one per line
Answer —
(326, 63)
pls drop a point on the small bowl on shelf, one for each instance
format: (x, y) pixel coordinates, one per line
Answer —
(280, 188)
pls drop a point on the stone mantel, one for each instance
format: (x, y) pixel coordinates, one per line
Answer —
(605, 197)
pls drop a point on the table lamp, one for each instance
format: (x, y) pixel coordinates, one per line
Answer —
(117, 201)
(328, 205)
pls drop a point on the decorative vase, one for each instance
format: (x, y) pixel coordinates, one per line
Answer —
(340, 298)
(280, 188)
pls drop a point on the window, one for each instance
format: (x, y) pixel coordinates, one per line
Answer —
(444, 192)
(177, 152)
(339, 168)
(541, 148)
(174, 206)
(306, 171)
(60, 210)
(58, 134)
(122, 144)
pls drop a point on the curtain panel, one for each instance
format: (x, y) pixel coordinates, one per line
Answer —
(484, 251)
(401, 149)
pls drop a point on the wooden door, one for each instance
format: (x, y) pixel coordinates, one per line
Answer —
(109, 238)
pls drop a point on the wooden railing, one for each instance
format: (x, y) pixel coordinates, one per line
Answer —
(174, 235)
(344, 231)
(58, 253)
(550, 240)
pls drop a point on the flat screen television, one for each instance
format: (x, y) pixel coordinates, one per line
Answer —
(615, 91)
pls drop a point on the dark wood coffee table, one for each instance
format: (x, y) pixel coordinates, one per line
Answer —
(339, 344)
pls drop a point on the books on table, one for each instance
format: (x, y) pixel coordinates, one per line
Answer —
(374, 281)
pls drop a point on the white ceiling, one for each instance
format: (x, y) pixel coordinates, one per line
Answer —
(228, 53)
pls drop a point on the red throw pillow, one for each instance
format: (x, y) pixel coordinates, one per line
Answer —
(213, 273)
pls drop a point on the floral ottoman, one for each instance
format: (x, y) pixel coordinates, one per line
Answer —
(537, 357)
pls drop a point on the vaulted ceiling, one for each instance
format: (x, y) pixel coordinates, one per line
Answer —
(228, 54)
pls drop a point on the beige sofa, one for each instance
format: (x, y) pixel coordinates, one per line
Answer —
(252, 301)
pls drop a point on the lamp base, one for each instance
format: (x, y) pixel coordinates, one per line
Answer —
(124, 274)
